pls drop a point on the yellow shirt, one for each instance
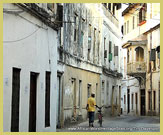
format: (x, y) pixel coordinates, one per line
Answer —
(91, 104)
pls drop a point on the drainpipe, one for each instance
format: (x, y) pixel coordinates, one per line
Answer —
(151, 77)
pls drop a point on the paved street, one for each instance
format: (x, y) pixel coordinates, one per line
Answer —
(119, 124)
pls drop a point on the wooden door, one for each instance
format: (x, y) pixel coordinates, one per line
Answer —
(15, 100)
(32, 104)
(128, 100)
(142, 102)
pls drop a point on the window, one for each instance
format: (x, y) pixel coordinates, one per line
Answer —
(89, 42)
(149, 64)
(80, 94)
(47, 100)
(133, 22)
(115, 50)
(105, 51)
(74, 34)
(103, 86)
(107, 89)
(89, 90)
(81, 40)
(110, 51)
(158, 55)
(96, 92)
(89, 37)
(132, 101)
(94, 46)
(154, 100)
(105, 4)
(75, 29)
(149, 100)
(124, 99)
(127, 26)
(153, 58)
(109, 6)
(136, 98)
(113, 8)
(124, 29)
(98, 47)
(137, 19)
(139, 54)
(142, 14)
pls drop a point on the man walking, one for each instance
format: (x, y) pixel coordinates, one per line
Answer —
(91, 109)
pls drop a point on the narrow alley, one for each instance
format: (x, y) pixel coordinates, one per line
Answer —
(62, 60)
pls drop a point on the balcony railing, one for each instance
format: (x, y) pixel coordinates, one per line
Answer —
(136, 67)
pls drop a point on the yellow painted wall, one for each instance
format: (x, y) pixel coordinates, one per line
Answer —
(138, 30)
(155, 73)
(87, 78)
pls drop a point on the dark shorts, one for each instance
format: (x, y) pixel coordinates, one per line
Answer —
(91, 116)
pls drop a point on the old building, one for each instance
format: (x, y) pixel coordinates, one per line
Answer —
(29, 63)
(111, 57)
(153, 59)
(55, 56)
(87, 31)
(136, 41)
(78, 61)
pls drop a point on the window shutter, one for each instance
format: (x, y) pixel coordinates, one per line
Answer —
(110, 46)
(153, 55)
(158, 51)
(116, 51)
(110, 56)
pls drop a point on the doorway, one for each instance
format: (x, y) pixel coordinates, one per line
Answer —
(74, 97)
(33, 99)
(128, 100)
(142, 92)
(59, 100)
(112, 103)
(15, 100)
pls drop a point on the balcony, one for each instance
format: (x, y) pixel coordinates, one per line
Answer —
(136, 68)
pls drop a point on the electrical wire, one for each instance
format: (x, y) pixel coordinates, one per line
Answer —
(18, 14)
(21, 38)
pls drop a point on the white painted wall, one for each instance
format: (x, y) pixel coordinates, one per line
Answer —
(133, 85)
(30, 54)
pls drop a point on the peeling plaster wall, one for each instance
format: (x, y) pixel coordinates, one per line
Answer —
(155, 73)
(75, 61)
(86, 78)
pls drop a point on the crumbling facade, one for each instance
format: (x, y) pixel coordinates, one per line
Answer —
(87, 31)
(141, 23)
(153, 60)
(111, 57)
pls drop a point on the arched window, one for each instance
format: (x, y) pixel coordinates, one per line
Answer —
(139, 54)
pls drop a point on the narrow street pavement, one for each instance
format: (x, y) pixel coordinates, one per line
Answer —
(119, 124)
